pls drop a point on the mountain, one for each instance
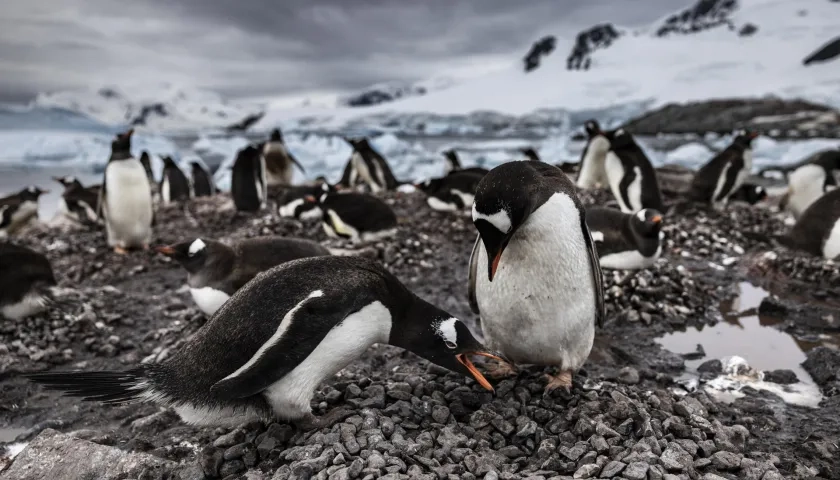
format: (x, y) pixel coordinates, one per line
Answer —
(389, 92)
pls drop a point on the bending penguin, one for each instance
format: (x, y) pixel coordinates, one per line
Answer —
(359, 217)
(453, 164)
(817, 231)
(174, 186)
(534, 275)
(202, 181)
(20, 209)
(125, 198)
(724, 174)
(630, 174)
(78, 203)
(810, 181)
(453, 192)
(27, 283)
(626, 241)
(292, 202)
(371, 167)
(593, 172)
(248, 184)
(216, 270)
(267, 368)
(278, 160)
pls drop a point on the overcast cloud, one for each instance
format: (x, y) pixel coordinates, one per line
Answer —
(262, 48)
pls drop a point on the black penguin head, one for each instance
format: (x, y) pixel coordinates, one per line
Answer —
(193, 254)
(121, 145)
(276, 135)
(744, 138)
(168, 162)
(144, 158)
(68, 181)
(31, 193)
(196, 166)
(647, 222)
(620, 138)
(751, 194)
(592, 128)
(430, 185)
(530, 153)
(452, 156)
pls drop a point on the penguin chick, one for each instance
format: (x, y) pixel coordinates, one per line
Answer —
(626, 241)
(278, 338)
(216, 271)
(359, 217)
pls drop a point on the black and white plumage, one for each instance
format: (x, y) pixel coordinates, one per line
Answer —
(534, 275)
(530, 154)
(359, 217)
(146, 161)
(724, 174)
(126, 198)
(369, 167)
(248, 184)
(19, 210)
(26, 281)
(749, 193)
(453, 164)
(78, 203)
(630, 174)
(217, 270)
(292, 201)
(817, 231)
(626, 241)
(284, 333)
(593, 171)
(174, 186)
(811, 180)
(278, 160)
(452, 192)
(202, 180)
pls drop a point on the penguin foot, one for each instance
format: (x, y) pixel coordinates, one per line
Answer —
(501, 369)
(120, 251)
(561, 380)
(311, 422)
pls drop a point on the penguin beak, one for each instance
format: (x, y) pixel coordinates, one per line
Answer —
(166, 250)
(479, 377)
(657, 219)
(495, 264)
(309, 198)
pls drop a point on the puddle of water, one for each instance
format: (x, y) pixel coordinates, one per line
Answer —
(745, 334)
(10, 434)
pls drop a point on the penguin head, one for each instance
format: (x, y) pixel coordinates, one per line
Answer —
(430, 185)
(751, 194)
(276, 135)
(68, 181)
(320, 194)
(168, 162)
(744, 137)
(592, 128)
(121, 144)
(452, 156)
(196, 166)
(647, 222)
(530, 153)
(193, 254)
(620, 138)
(31, 193)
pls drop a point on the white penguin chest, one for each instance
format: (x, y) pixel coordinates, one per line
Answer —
(831, 248)
(208, 299)
(288, 210)
(615, 174)
(128, 191)
(593, 168)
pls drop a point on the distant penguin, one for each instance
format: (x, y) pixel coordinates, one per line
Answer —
(174, 186)
(26, 282)
(358, 217)
(630, 174)
(278, 160)
(534, 275)
(217, 270)
(292, 202)
(125, 198)
(263, 354)
(371, 167)
(146, 161)
(78, 203)
(810, 181)
(248, 184)
(593, 171)
(626, 241)
(817, 231)
(349, 176)
(202, 181)
(20, 209)
(452, 192)
(750, 194)
(530, 154)
(724, 174)
(453, 164)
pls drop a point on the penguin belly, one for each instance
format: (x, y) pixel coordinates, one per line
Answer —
(441, 205)
(288, 210)
(165, 195)
(31, 304)
(831, 249)
(629, 260)
(128, 203)
(540, 307)
(208, 299)
(593, 170)
(362, 170)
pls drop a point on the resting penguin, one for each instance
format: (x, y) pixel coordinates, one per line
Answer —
(593, 171)
(453, 164)
(717, 180)
(174, 186)
(810, 181)
(292, 202)
(358, 217)
(534, 275)
(248, 185)
(202, 181)
(277, 339)
(147, 166)
(78, 203)
(630, 174)
(817, 231)
(749, 193)
(451, 193)
(278, 160)
(371, 167)
(125, 198)
(216, 270)
(27, 283)
(20, 209)
(626, 241)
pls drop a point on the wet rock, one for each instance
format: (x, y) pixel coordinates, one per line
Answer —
(612, 469)
(783, 377)
(726, 461)
(823, 364)
(674, 458)
(628, 376)
(714, 367)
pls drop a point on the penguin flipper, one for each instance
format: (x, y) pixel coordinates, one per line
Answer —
(597, 276)
(625, 183)
(472, 275)
(294, 160)
(100, 204)
(731, 176)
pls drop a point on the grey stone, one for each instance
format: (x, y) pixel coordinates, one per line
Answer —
(713, 366)
(783, 377)
(772, 475)
(599, 443)
(636, 471)
(689, 407)
(712, 476)
(230, 439)
(612, 469)
(674, 458)
(440, 413)
(628, 376)
(587, 471)
(726, 461)
(574, 452)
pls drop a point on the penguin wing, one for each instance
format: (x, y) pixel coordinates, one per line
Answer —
(624, 184)
(472, 275)
(100, 203)
(735, 166)
(294, 160)
(597, 277)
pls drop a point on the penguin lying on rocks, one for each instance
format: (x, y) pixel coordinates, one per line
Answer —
(750, 194)
(27, 283)
(278, 338)
(370, 167)
(724, 174)
(216, 270)
(359, 217)
(292, 200)
(626, 241)
(78, 203)
(817, 231)
(452, 192)
(20, 210)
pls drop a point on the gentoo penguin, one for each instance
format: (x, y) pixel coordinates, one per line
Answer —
(174, 186)
(278, 338)
(349, 176)
(451, 193)
(248, 183)
(810, 181)
(593, 171)
(202, 181)
(717, 180)
(216, 270)
(829, 160)
(20, 209)
(542, 292)
(146, 161)
(126, 198)
(292, 201)
(817, 231)
(626, 241)
(749, 193)
(355, 216)
(371, 167)
(630, 174)
(78, 203)
(453, 164)
(26, 281)
(530, 154)
(278, 160)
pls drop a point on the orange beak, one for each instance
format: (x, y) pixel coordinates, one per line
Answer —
(309, 198)
(166, 250)
(495, 265)
(479, 377)
(656, 219)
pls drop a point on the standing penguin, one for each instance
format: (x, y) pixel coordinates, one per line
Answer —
(530, 154)
(248, 185)
(20, 209)
(630, 174)
(146, 161)
(202, 181)
(125, 198)
(371, 167)
(278, 160)
(593, 172)
(78, 203)
(453, 192)
(216, 271)
(453, 163)
(817, 231)
(359, 217)
(263, 354)
(626, 241)
(534, 275)
(724, 174)
(174, 186)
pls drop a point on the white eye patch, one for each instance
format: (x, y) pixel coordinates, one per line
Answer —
(196, 247)
(500, 219)
(641, 214)
(446, 330)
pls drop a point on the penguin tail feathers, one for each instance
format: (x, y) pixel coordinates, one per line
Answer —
(108, 387)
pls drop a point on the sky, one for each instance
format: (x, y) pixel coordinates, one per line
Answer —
(281, 48)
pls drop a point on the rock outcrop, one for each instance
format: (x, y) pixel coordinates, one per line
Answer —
(382, 93)
(703, 15)
(588, 41)
(541, 48)
(829, 51)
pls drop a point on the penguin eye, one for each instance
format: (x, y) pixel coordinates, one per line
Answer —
(449, 344)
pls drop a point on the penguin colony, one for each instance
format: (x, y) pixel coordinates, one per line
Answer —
(284, 314)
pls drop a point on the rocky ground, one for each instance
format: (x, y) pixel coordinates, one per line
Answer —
(626, 417)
